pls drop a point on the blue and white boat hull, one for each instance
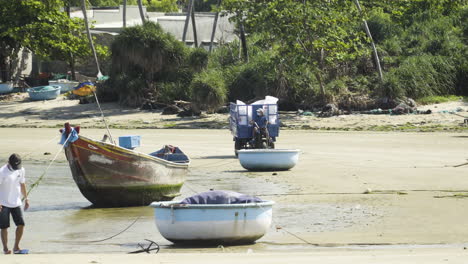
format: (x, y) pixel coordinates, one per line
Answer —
(6, 87)
(44, 92)
(65, 85)
(213, 223)
(268, 159)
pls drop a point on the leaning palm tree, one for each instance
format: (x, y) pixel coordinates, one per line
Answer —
(83, 8)
(140, 7)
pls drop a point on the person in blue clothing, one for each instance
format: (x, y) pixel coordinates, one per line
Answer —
(260, 123)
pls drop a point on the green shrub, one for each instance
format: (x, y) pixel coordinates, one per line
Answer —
(420, 76)
(438, 99)
(142, 57)
(198, 59)
(209, 90)
(381, 26)
(254, 79)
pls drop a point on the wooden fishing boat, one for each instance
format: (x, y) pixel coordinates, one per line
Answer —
(39, 93)
(113, 176)
(268, 159)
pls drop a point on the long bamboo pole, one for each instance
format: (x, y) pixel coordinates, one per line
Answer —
(88, 33)
(83, 8)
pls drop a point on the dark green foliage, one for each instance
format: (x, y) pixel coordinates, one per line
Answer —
(143, 56)
(198, 59)
(255, 79)
(205, 5)
(420, 76)
(209, 90)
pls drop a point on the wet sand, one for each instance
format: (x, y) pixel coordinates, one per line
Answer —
(394, 196)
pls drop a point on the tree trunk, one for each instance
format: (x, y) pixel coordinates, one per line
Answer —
(245, 54)
(376, 55)
(215, 23)
(187, 19)
(4, 68)
(140, 7)
(124, 18)
(72, 59)
(194, 28)
(322, 87)
(83, 8)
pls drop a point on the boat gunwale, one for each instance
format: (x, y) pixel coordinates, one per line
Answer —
(176, 205)
(33, 89)
(137, 153)
(260, 151)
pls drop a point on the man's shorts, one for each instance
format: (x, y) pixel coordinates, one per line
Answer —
(16, 213)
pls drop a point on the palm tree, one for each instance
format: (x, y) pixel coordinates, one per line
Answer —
(140, 7)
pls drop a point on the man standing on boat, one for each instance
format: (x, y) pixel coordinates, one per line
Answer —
(12, 186)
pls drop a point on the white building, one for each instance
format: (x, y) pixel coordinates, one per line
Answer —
(111, 21)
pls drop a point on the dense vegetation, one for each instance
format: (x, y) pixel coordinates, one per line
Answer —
(307, 53)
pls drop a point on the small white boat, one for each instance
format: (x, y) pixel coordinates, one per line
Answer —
(225, 224)
(65, 85)
(6, 87)
(268, 159)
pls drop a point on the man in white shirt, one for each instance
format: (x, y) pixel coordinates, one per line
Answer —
(12, 186)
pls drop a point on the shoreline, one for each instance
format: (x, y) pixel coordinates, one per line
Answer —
(20, 112)
(395, 256)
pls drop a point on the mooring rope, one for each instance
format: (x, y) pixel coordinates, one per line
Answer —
(282, 228)
(38, 147)
(36, 183)
(213, 164)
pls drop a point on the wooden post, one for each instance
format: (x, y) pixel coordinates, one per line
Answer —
(189, 13)
(376, 55)
(215, 23)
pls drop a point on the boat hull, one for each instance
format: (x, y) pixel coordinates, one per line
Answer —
(111, 176)
(39, 94)
(65, 86)
(227, 224)
(6, 88)
(268, 159)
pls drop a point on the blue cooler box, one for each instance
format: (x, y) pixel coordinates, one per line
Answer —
(129, 142)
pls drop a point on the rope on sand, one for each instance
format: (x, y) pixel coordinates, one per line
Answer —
(278, 227)
(104, 239)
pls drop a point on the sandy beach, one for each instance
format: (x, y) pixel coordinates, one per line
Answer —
(368, 197)
(16, 110)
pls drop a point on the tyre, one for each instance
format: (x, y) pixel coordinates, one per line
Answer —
(272, 145)
(237, 146)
